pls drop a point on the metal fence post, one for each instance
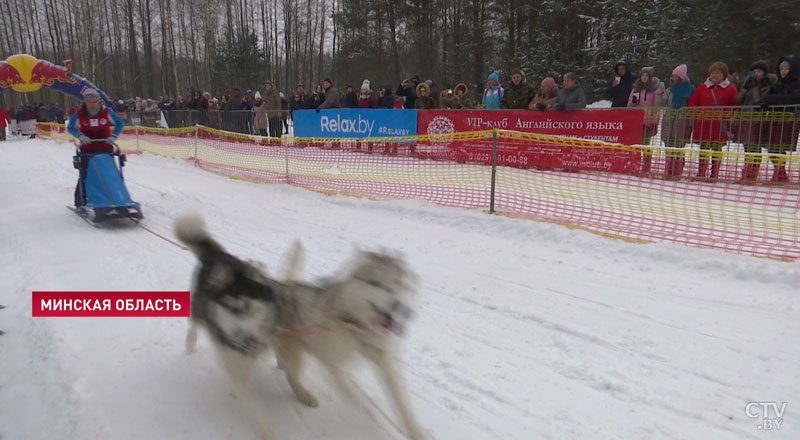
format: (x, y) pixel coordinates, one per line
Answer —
(196, 130)
(286, 155)
(494, 169)
(136, 131)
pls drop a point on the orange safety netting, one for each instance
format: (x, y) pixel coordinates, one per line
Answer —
(455, 170)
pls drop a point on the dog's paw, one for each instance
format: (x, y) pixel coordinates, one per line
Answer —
(416, 433)
(191, 340)
(308, 399)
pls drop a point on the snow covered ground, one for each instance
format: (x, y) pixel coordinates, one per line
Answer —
(524, 330)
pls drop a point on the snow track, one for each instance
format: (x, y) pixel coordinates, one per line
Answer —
(524, 330)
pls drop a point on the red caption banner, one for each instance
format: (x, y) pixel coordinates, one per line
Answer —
(616, 127)
(97, 304)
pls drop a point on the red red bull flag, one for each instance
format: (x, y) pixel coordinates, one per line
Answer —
(25, 73)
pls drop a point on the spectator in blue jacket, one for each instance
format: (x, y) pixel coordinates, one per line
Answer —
(493, 93)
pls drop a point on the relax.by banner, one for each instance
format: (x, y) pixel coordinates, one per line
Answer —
(354, 123)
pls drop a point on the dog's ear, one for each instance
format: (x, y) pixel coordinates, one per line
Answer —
(189, 226)
(391, 253)
(293, 265)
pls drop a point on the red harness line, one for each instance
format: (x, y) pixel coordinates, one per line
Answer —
(159, 235)
(305, 331)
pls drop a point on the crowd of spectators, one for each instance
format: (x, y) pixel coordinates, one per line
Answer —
(21, 121)
(267, 112)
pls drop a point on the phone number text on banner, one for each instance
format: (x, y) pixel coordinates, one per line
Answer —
(97, 304)
(354, 123)
(615, 127)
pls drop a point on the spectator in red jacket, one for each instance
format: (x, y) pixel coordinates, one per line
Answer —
(709, 130)
(4, 120)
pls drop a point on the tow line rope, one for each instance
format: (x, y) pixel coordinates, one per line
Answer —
(305, 331)
(158, 235)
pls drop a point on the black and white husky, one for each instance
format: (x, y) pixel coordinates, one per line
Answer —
(246, 312)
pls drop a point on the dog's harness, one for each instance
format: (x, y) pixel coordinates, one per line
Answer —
(305, 331)
(284, 306)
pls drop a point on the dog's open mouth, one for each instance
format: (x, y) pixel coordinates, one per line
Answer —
(385, 321)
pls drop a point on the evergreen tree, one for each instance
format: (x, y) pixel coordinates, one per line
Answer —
(238, 62)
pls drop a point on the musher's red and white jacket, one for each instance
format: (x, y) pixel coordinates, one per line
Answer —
(95, 127)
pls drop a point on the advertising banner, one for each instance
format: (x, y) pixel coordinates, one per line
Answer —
(354, 123)
(612, 126)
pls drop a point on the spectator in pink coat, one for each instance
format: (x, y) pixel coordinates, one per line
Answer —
(644, 94)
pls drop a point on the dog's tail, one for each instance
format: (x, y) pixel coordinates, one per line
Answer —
(190, 230)
(293, 267)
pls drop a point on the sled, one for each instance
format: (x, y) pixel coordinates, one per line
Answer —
(104, 187)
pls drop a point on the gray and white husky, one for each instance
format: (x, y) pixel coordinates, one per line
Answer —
(246, 313)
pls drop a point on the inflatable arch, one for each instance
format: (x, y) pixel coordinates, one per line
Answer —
(26, 73)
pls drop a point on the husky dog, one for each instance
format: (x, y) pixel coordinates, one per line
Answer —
(246, 313)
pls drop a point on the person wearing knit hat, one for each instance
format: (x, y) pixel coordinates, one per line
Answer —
(548, 92)
(749, 130)
(676, 128)
(645, 90)
(787, 90)
(493, 93)
(91, 124)
(90, 94)
(716, 91)
(365, 98)
(682, 72)
(257, 96)
(331, 96)
(782, 135)
(519, 93)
